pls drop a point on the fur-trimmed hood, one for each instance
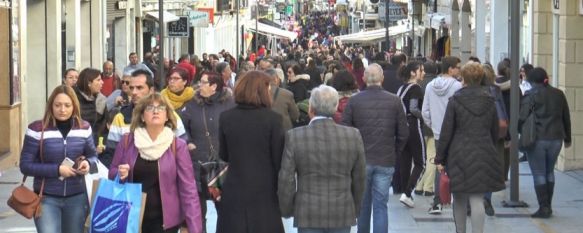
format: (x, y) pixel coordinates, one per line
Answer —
(224, 95)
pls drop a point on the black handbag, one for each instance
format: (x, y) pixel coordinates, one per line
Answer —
(528, 131)
(214, 171)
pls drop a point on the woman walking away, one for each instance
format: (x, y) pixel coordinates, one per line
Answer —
(62, 135)
(467, 148)
(152, 155)
(553, 127)
(251, 141)
(412, 96)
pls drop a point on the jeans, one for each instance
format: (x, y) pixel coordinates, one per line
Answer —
(542, 158)
(324, 230)
(63, 214)
(376, 195)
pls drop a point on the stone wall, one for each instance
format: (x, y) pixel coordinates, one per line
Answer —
(570, 67)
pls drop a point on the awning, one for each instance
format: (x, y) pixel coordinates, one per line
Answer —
(271, 31)
(168, 17)
(373, 36)
(437, 20)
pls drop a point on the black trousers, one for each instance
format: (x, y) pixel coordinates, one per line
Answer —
(414, 155)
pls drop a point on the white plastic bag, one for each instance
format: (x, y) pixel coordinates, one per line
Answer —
(102, 172)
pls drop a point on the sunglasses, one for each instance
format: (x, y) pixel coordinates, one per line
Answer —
(125, 82)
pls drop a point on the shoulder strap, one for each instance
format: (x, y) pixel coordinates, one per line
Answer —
(174, 146)
(404, 93)
(41, 152)
(207, 133)
(275, 94)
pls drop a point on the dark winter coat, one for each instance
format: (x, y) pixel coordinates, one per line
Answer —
(467, 144)
(299, 85)
(381, 120)
(553, 119)
(93, 110)
(192, 118)
(391, 82)
(251, 140)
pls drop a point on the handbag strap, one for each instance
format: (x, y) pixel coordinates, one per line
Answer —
(208, 135)
(42, 185)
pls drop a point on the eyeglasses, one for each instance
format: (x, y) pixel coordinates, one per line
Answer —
(125, 82)
(152, 108)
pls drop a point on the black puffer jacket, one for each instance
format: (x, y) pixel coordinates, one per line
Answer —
(467, 142)
(381, 120)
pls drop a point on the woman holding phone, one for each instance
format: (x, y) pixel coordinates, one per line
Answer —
(67, 148)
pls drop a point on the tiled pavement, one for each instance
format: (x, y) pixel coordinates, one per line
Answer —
(567, 206)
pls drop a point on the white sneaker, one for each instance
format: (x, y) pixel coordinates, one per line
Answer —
(407, 201)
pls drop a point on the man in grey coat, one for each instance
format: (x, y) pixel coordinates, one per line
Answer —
(283, 102)
(321, 181)
(381, 120)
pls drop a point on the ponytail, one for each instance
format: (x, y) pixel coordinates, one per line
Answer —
(405, 71)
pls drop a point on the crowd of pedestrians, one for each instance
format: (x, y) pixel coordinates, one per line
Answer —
(320, 131)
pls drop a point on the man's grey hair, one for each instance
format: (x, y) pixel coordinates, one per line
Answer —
(272, 73)
(324, 101)
(374, 74)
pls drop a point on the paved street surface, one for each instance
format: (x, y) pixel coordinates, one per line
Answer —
(567, 209)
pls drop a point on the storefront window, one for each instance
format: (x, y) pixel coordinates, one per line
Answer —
(14, 53)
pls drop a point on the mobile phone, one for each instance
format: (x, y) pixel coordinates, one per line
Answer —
(67, 162)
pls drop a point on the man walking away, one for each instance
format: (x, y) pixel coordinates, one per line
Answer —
(381, 120)
(330, 179)
(435, 102)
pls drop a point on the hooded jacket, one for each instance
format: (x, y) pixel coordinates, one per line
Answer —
(467, 145)
(435, 101)
(298, 85)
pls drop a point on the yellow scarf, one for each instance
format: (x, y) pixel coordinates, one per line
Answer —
(178, 101)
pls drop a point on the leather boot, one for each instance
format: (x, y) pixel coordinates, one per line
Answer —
(550, 192)
(543, 201)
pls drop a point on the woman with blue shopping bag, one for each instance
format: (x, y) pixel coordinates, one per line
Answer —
(152, 155)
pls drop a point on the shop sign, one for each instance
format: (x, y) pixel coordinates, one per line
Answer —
(198, 18)
(396, 11)
(556, 6)
(122, 5)
(179, 28)
(581, 7)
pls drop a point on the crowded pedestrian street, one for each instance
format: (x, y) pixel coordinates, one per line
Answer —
(568, 207)
(298, 116)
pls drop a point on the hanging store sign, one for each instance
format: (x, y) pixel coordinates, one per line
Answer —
(179, 28)
(556, 6)
(396, 11)
(581, 7)
(198, 18)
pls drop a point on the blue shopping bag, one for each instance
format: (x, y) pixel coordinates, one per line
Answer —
(117, 207)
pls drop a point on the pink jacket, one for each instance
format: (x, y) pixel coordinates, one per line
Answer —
(177, 185)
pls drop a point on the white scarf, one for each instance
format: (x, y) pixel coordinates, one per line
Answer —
(152, 150)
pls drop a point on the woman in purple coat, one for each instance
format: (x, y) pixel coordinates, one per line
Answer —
(152, 155)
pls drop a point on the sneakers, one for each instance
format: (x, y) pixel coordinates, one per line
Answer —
(407, 201)
(435, 209)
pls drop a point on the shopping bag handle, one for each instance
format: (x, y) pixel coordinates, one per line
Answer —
(117, 179)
